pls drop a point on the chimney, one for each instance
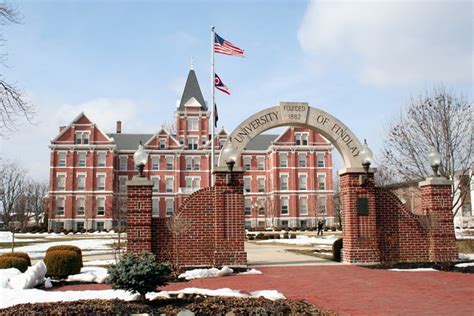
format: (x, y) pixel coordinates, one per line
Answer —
(119, 127)
(61, 128)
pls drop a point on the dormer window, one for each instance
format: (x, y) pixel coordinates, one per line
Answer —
(162, 143)
(193, 124)
(301, 139)
(82, 138)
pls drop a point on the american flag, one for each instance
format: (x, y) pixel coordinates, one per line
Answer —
(219, 85)
(222, 46)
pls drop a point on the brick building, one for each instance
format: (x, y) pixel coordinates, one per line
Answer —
(288, 178)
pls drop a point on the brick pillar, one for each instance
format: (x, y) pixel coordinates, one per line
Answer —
(229, 220)
(437, 202)
(139, 220)
(359, 230)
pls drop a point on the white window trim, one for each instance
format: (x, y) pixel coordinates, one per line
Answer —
(153, 188)
(65, 157)
(284, 197)
(325, 181)
(157, 199)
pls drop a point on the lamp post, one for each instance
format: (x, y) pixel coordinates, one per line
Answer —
(230, 155)
(140, 158)
(434, 158)
(367, 157)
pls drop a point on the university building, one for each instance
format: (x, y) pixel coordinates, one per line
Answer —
(288, 177)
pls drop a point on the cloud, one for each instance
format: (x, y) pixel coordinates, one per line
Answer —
(392, 42)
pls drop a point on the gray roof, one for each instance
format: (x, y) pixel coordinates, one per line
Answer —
(192, 90)
(129, 141)
(261, 142)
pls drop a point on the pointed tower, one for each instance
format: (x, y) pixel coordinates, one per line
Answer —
(192, 116)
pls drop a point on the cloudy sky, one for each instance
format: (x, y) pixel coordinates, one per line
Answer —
(359, 60)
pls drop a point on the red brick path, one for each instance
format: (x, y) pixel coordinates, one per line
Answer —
(354, 290)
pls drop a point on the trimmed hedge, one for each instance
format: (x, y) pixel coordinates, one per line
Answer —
(17, 255)
(336, 250)
(67, 247)
(13, 262)
(62, 263)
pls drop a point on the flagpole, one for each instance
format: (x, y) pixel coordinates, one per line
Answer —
(213, 72)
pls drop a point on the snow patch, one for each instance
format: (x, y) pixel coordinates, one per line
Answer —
(303, 240)
(100, 262)
(206, 273)
(224, 292)
(466, 256)
(89, 274)
(465, 265)
(251, 271)
(33, 276)
(415, 270)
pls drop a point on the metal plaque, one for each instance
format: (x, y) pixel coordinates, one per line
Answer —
(362, 206)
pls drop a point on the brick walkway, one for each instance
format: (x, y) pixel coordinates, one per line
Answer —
(354, 290)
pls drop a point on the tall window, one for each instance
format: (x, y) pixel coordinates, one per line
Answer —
(260, 163)
(322, 205)
(321, 182)
(155, 162)
(283, 160)
(101, 182)
(162, 143)
(303, 205)
(101, 156)
(61, 182)
(81, 159)
(248, 207)
(301, 139)
(100, 206)
(62, 159)
(155, 207)
(169, 163)
(82, 138)
(193, 183)
(123, 162)
(284, 205)
(221, 143)
(169, 207)
(193, 143)
(261, 206)
(193, 163)
(156, 184)
(169, 184)
(302, 182)
(283, 182)
(181, 140)
(81, 182)
(320, 157)
(80, 206)
(247, 181)
(302, 159)
(193, 124)
(60, 206)
(247, 161)
(123, 184)
(261, 184)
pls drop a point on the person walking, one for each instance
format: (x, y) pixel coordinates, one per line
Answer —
(320, 227)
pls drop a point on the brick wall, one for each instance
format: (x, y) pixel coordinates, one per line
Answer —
(139, 220)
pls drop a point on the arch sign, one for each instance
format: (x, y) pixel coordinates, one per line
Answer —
(294, 114)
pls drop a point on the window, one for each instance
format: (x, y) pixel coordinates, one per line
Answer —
(303, 205)
(193, 143)
(82, 138)
(100, 206)
(193, 124)
(181, 140)
(62, 159)
(193, 183)
(302, 160)
(169, 207)
(61, 182)
(320, 157)
(155, 162)
(101, 182)
(321, 182)
(60, 206)
(100, 226)
(283, 182)
(283, 160)
(123, 184)
(260, 163)
(169, 162)
(284, 224)
(302, 182)
(322, 205)
(80, 206)
(301, 139)
(203, 140)
(261, 184)
(123, 162)
(247, 161)
(221, 143)
(169, 184)
(101, 156)
(261, 206)
(79, 226)
(81, 182)
(155, 207)
(81, 159)
(304, 224)
(156, 184)
(248, 207)
(59, 226)
(193, 163)
(247, 181)
(162, 143)
(284, 205)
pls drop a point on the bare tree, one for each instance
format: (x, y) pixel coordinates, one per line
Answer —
(36, 192)
(438, 119)
(14, 184)
(336, 200)
(13, 105)
(119, 214)
(177, 224)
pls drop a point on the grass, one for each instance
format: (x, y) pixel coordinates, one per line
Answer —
(465, 245)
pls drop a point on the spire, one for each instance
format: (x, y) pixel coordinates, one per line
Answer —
(192, 90)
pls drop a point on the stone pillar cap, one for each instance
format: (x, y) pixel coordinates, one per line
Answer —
(435, 181)
(355, 170)
(224, 169)
(139, 181)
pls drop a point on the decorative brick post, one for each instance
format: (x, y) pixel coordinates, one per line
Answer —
(359, 218)
(437, 202)
(139, 220)
(229, 220)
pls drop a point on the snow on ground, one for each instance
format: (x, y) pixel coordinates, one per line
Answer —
(103, 262)
(14, 279)
(6, 237)
(251, 271)
(13, 297)
(206, 273)
(89, 274)
(465, 265)
(466, 256)
(304, 240)
(414, 270)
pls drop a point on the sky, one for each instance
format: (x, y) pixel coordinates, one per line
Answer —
(361, 61)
